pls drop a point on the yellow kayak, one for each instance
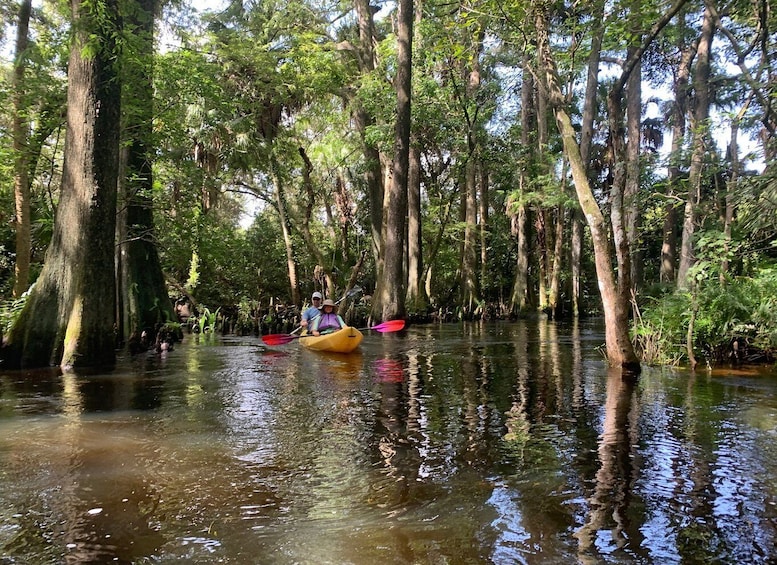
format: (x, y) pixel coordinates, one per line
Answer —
(343, 340)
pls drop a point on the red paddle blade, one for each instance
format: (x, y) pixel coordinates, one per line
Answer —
(278, 339)
(390, 326)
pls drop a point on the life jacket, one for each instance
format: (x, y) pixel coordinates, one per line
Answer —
(329, 321)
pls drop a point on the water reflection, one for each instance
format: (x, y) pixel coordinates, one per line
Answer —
(80, 487)
(388, 370)
(481, 443)
(606, 526)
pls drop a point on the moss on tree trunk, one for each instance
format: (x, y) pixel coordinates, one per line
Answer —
(69, 317)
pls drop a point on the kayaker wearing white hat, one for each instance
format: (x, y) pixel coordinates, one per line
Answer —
(328, 321)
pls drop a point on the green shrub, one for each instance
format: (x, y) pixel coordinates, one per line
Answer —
(742, 309)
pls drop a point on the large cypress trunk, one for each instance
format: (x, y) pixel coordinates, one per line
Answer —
(390, 291)
(69, 317)
(143, 296)
(470, 293)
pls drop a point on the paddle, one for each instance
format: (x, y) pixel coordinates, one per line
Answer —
(282, 339)
(390, 326)
(353, 292)
(279, 339)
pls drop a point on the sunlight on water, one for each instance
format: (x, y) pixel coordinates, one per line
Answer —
(502, 443)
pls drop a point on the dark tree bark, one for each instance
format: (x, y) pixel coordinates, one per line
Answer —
(542, 219)
(674, 171)
(288, 244)
(307, 235)
(517, 210)
(556, 260)
(632, 213)
(373, 177)
(592, 82)
(618, 207)
(622, 291)
(484, 221)
(541, 256)
(68, 319)
(470, 294)
(518, 227)
(21, 153)
(416, 299)
(390, 303)
(586, 140)
(142, 295)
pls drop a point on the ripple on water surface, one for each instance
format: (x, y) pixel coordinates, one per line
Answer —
(461, 444)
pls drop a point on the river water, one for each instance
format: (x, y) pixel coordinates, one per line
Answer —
(455, 444)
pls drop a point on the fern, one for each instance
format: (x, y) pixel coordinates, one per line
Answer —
(741, 308)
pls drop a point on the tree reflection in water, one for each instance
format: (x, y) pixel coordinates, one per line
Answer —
(608, 504)
(462, 443)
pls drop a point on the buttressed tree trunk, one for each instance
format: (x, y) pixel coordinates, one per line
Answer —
(68, 319)
(143, 298)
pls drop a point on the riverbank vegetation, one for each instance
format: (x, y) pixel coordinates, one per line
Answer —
(521, 159)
